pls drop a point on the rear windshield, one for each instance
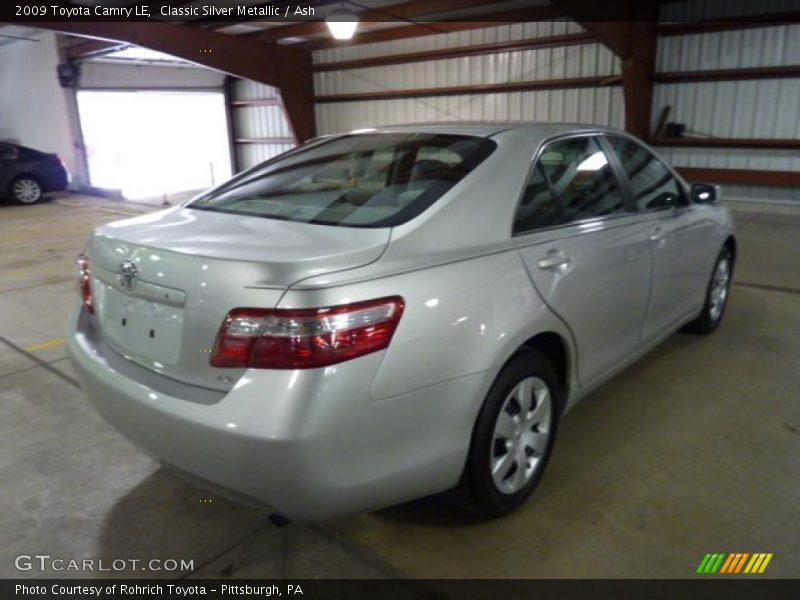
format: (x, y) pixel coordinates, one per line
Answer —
(365, 180)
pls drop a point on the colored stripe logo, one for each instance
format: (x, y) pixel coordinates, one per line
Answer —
(736, 562)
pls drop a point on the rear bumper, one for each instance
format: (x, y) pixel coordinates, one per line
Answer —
(309, 444)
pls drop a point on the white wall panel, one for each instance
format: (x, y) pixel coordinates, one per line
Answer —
(261, 122)
(734, 109)
(244, 89)
(767, 108)
(587, 105)
(592, 105)
(258, 122)
(529, 65)
(118, 75)
(760, 47)
(252, 154)
(487, 35)
(717, 9)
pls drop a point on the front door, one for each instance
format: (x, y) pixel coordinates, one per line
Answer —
(678, 240)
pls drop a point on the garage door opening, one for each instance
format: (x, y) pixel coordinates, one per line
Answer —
(149, 144)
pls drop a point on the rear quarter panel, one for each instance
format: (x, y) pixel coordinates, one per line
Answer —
(460, 318)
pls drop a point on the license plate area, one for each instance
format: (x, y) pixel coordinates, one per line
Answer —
(146, 329)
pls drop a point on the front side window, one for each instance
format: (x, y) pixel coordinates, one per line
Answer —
(652, 184)
(367, 180)
(571, 181)
(7, 152)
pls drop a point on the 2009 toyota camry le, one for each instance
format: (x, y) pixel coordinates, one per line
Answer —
(388, 314)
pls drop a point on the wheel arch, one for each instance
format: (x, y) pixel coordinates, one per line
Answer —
(23, 175)
(731, 245)
(555, 348)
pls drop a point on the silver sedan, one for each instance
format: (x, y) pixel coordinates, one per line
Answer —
(383, 315)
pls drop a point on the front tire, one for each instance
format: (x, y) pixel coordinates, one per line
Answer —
(513, 436)
(716, 295)
(25, 190)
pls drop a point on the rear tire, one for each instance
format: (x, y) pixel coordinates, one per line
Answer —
(717, 294)
(25, 189)
(513, 436)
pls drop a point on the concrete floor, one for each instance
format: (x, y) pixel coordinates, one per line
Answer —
(693, 450)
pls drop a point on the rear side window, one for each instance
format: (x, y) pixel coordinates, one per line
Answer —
(367, 180)
(571, 181)
(652, 184)
(537, 209)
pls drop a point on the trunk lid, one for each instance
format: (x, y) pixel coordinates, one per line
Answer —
(164, 282)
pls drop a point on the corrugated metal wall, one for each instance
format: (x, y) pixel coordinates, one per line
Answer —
(766, 108)
(261, 125)
(763, 109)
(601, 105)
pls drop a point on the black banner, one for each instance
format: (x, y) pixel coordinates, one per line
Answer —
(401, 589)
(216, 11)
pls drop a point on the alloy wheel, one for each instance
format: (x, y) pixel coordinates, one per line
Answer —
(27, 190)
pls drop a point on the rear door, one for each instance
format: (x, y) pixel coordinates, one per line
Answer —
(588, 257)
(679, 240)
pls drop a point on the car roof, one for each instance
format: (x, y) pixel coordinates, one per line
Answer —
(491, 128)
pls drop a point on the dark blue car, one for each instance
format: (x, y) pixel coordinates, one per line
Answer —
(26, 174)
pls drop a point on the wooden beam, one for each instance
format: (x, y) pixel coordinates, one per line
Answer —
(741, 176)
(258, 102)
(538, 13)
(243, 58)
(231, 122)
(486, 88)
(614, 34)
(404, 11)
(756, 143)
(731, 24)
(265, 141)
(286, 68)
(637, 77)
(91, 49)
(412, 57)
(782, 72)
(631, 36)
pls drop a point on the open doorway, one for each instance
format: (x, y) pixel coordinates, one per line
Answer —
(150, 143)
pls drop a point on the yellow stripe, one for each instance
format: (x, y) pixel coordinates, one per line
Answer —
(761, 557)
(765, 563)
(45, 345)
(741, 563)
(752, 563)
(728, 561)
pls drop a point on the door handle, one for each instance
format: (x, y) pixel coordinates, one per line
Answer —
(659, 234)
(554, 261)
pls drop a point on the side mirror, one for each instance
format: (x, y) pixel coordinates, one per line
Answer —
(705, 193)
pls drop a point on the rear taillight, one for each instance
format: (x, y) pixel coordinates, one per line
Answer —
(305, 338)
(85, 282)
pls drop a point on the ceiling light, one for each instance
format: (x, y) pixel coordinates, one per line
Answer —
(342, 23)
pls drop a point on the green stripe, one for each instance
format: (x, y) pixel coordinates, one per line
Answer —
(701, 568)
(718, 564)
(711, 562)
